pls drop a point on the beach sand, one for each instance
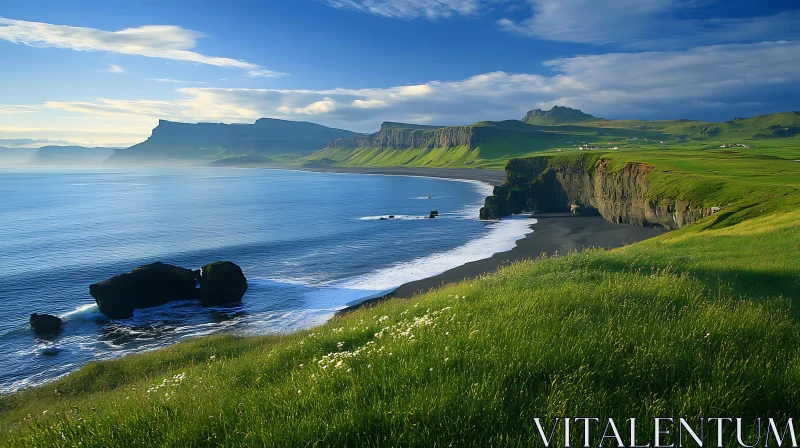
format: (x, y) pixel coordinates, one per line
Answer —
(553, 233)
(492, 177)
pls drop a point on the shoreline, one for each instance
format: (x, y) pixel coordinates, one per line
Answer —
(488, 176)
(553, 233)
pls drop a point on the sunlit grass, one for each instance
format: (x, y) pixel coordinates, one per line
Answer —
(653, 329)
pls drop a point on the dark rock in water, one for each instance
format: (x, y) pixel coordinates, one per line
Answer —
(222, 282)
(45, 323)
(382, 218)
(391, 216)
(433, 214)
(50, 351)
(144, 287)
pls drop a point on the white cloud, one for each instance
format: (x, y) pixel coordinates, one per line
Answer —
(412, 9)
(647, 24)
(717, 82)
(324, 106)
(113, 68)
(162, 41)
(8, 109)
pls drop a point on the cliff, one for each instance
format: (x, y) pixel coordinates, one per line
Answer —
(588, 185)
(210, 141)
(409, 136)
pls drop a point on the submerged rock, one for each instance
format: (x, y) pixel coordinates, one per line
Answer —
(434, 213)
(222, 282)
(45, 323)
(144, 287)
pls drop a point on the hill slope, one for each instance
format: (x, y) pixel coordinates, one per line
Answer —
(695, 323)
(275, 139)
(488, 143)
(491, 144)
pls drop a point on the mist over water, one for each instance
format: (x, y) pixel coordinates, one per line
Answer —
(309, 244)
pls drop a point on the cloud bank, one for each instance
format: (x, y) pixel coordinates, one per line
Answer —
(162, 41)
(719, 81)
(647, 24)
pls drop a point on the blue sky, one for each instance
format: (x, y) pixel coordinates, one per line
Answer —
(103, 73)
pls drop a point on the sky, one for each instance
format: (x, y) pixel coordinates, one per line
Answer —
(102, 73)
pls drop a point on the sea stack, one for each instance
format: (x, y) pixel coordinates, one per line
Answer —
(222, 282)
(144, 287)
(159, 283)
(45, 323)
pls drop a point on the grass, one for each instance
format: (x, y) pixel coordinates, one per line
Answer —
(696, 322)
(773, 135)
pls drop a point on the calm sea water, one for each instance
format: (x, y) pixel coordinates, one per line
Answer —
(309, 244)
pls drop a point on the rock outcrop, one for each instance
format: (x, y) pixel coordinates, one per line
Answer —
(221, 282)
(146, 286)
(588, 186)
(45, 323)
(159, 283)
(405, 136)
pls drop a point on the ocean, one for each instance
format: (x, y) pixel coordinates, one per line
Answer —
(308, 243)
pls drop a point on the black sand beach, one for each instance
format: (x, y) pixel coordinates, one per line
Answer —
(554, 233)
(492, 177)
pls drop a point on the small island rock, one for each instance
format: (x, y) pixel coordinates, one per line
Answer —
(144, 287)
(222, 282)
(45, 323)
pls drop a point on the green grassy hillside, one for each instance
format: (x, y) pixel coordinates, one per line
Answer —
(696, 322)
(772, 135)
(498, 142)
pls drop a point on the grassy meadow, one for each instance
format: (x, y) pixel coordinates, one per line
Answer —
(697, 322)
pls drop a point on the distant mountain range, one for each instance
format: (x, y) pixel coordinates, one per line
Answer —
(487, 144)
(265, 140)
(54, 155)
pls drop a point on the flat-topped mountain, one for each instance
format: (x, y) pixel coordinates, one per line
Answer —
(557, 115)
(266, 138)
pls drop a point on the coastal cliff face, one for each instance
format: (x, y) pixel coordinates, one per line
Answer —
(393, 135)
(588, 186)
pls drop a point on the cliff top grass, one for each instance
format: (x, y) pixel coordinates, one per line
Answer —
(696, 322)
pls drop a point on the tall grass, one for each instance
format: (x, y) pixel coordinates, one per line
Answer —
(654, 329)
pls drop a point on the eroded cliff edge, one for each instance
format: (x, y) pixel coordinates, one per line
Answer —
(588, 185)
(405, 136)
